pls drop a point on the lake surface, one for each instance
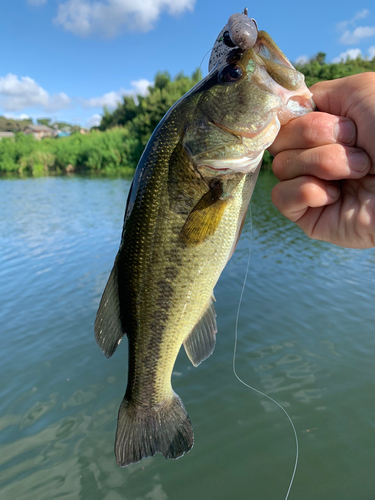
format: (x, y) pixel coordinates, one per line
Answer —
(306, 338)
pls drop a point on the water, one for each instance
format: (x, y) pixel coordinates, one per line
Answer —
(306, 338)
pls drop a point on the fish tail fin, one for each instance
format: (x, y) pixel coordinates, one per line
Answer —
(142, 432)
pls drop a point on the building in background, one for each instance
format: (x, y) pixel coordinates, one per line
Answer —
(6, 134)
(40, 131)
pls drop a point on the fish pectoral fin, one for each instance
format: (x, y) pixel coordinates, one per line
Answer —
(200, 344)
(205, 217)
(108, 329)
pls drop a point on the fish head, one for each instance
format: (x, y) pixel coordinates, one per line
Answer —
(241, 105)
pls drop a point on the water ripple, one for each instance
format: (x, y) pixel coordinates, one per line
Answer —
(305, 337)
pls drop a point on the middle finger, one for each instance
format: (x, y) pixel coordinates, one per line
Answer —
(329, 162)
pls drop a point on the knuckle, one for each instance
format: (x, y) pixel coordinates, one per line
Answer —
(365, 78)
(309, 191)
(334, 155)
(318, 129)
(329, 158)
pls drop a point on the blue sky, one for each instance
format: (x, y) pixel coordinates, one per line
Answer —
(65, 59)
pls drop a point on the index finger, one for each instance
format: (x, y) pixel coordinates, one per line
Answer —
(313, 130)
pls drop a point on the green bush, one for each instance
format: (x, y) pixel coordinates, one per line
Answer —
(106, 152)
(37, 162)
(8, 155)
(117, 144)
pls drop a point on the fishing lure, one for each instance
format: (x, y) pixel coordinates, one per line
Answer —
(240, 31)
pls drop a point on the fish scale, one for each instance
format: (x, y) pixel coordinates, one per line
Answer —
(184, 215)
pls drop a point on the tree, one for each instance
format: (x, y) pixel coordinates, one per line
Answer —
(124, 132)
(44, 121)
(320, 58)
(142, 115)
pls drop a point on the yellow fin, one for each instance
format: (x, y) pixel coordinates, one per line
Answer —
(205, 217)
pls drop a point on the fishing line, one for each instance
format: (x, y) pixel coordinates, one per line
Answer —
(234, 362)
(204, 57)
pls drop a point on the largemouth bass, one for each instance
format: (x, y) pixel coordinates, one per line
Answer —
(184, 215)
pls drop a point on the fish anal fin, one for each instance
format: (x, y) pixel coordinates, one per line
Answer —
(108, 329)
(200, 344)
(205, 217)
(144, 431)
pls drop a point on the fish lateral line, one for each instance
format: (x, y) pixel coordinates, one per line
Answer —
(183, 219)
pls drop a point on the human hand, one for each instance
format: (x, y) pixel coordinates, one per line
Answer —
(326, 164)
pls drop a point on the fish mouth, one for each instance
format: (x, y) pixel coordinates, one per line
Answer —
(279, 95)
(276, 74)
(267, 48)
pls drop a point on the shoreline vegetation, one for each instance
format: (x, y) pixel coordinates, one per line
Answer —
(115, 146)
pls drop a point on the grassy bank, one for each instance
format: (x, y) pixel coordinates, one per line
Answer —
(116, 146)
(109, 152)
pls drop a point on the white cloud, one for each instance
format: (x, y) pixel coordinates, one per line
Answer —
(352, 35)
(140, 87)
(349, 54)
(343, 25)
(36, 3)
(356, 36)
(87, 17)
(371, 51)
(361, 14)
(111, 99)
(302, 60)
(94, 121)
(16, 116)
(17, 94)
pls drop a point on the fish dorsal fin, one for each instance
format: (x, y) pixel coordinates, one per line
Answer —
(201, 341)
(108, 329)
(205, 217)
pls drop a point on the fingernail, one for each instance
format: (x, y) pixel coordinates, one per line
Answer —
(358, 161)
(344, 131)
(333, 190)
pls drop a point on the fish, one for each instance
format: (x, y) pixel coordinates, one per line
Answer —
(184, 215)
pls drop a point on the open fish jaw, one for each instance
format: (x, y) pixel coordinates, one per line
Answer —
(278, 94)
(235, 123)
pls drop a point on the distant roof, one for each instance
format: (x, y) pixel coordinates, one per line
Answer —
(40, 128)
(6, 134)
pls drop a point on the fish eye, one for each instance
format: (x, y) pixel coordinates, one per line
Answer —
(227, 39)
(231, 73)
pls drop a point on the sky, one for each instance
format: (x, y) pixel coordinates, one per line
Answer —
(66, 59)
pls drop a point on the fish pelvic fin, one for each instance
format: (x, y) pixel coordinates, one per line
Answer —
(142, 432)
(108, 329)
(199, 345)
